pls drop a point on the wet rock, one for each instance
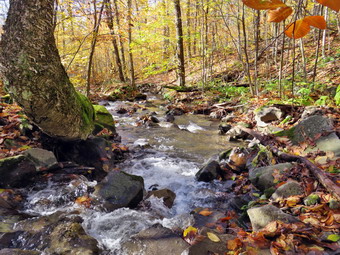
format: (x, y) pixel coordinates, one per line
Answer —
(266, 115)
(238, 158)
(18, 252)
(122, 110)
(175, 112)
(154, 119)
(291, 188)
(261, 216)
(58, 233)
(207, 246)
(224, 128)
(209, 172)
(16, 172)
(7, 238)
(154, 241)
(42, 159)
(167, 195)
(8, 219)
(94, 152)
(140, 97)
(211, 219)
(169, 118)
(120, 189)
(262, 177)
(103, 119)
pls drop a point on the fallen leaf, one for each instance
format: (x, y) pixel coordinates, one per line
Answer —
(205, 212)
(188, 230)
(213, 237)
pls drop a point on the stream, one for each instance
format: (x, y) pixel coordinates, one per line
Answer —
(167, 155)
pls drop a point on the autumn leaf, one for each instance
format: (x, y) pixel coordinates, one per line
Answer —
(297, 29)
(188, 230)
(234, 244)
(84, 200)
(213, 237)
(264, 4)
(205, 212)
(316, 21)
(333, 4)
(279, 14)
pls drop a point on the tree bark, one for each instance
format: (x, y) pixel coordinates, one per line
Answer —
(114, 41)
(132, 69)
(180, 45)
(35, 76)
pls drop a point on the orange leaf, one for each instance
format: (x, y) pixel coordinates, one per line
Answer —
(279, 14)
(205, 212)
(297, 29)
(316, 21)
(264, 4)
(333, 4)
(234, 244)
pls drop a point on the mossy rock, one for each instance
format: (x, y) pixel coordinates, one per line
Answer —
(103, 119)
(88, 114)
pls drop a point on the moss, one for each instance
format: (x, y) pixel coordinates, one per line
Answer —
(289, 133)
(263, 155)
(103, 119)
(87, 112)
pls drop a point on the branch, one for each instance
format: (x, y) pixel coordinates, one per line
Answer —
(320, 175)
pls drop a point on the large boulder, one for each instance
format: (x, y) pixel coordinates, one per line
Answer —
(103, 119)
(266, 115)
(207, 246)
(154, 241)
(16, 172)
(262, 177)
(57, 233)
(209, 172)
(119, 189)
(18, 252)
(95, 152)
(308, 128)
(42, 159)
(261, 216)
(329, 142)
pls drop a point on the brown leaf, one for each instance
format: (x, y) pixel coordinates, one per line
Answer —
(279, 14)
(205, 212)
(297, 29)
(234, 244)
(264, 4)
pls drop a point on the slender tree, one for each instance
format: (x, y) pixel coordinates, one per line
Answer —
(180, 44)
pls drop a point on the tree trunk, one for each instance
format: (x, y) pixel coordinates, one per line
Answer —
(114, 41)
(34, 73)
(180, 45)
(132, 69)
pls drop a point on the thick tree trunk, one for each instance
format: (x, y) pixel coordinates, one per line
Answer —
(35, 76)
(180, 44)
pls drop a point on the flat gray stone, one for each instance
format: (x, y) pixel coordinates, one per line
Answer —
(291, 188)
(261, 216)
(262, 177)
(42, 159)
(155, 241)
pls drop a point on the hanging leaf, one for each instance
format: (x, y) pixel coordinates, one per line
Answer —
(332, 4)
(279, 14)
(297, 29)
(316, 21)
(264, 4)
(213, 237)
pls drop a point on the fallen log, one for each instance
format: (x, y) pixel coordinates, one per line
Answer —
(319, 174)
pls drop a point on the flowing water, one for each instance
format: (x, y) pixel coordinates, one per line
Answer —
(166, 156)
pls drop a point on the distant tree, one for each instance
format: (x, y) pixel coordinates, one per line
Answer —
(180, 44)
